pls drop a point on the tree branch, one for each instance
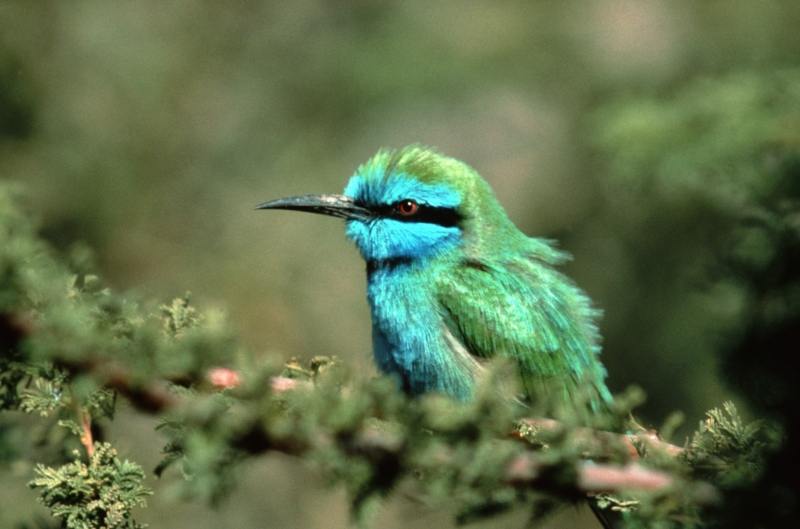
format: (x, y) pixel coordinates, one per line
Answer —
(86, 429)
(381, 447)
(596, 443)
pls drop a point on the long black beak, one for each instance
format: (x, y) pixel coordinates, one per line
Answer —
(334, 205)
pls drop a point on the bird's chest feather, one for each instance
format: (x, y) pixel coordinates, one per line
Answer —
(404, 317)
(409, 336)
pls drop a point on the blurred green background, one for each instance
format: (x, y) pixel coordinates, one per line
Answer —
(646, 136)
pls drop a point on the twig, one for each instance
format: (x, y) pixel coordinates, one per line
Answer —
(599, 478)
(528, 468)
(596, 443)
(153, 397)
(284, 384)
(86, 429)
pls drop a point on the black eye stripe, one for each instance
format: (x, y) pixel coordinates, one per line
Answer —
(447, 217)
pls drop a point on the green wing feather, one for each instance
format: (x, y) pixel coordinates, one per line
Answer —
(520, 307)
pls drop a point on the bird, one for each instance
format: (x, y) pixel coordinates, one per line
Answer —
(452, 283)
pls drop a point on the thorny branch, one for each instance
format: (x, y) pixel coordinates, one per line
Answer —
(86, 428)
(524, 470)
(596, 442)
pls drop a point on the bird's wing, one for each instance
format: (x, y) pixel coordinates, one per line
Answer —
(524, 309)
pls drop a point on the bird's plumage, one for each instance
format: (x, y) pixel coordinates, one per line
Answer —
(452, 282)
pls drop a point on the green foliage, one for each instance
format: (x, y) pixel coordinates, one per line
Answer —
(179, 317)
(45, 397)
(719, 135)
(733, 451)
(718, 156)
(371, 438)
(210, 463)
(98, 495)
(69, 345)
(368, 437)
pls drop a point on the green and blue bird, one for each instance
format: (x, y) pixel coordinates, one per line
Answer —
(453, 283)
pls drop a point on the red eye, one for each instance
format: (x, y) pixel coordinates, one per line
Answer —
(407, 207)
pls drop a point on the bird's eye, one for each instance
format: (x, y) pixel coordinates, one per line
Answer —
(407, 207)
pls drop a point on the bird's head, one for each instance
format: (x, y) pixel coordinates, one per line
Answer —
(411, 204)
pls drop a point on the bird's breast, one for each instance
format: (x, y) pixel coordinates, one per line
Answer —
(410, 338)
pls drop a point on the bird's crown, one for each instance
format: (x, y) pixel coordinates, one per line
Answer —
(413, 172)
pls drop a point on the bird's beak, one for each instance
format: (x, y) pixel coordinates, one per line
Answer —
(334, 205)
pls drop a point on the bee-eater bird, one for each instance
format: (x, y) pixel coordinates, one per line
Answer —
(452, 282)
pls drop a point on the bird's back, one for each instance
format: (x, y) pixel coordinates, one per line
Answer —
(517, 305)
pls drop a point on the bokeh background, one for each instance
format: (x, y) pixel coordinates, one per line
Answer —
(658, 141)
